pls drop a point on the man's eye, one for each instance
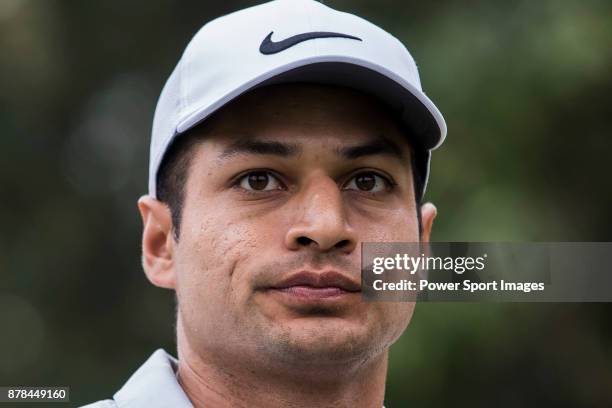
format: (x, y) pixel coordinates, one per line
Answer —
(259, 181)
(370, 182)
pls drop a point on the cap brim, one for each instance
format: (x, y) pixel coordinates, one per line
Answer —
(416, 110)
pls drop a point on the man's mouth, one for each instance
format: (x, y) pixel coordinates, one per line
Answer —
(312, 286)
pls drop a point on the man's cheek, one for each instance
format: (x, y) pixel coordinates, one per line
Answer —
(215, 256)
(396, 229)
(399, 234)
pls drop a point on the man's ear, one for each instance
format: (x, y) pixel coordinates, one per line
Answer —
(158, 245)
(428, 213)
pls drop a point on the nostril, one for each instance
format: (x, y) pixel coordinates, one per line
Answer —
(305, 241)
(342, 244)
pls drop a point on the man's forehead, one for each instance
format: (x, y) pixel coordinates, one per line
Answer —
(347, 147)
(292, 119)
(283, 107)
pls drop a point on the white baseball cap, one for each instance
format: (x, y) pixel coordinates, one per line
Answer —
(291, 41)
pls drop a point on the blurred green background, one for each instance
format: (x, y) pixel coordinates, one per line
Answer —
(525, 88)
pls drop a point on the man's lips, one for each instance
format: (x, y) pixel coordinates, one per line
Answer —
(309, 292)
(307, 284)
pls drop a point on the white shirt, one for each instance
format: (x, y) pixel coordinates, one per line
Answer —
(153, 385)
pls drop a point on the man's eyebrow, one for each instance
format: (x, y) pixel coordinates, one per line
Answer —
(377, 147)
(250, 146)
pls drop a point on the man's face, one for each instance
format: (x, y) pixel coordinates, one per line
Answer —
(285, 186)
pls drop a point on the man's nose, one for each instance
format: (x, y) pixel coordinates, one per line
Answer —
(320, 219)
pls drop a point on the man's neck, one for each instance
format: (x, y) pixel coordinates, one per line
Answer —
(208, 384)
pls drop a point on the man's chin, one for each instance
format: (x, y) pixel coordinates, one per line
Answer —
(322, 340)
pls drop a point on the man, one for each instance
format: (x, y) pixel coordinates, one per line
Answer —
(288, 134)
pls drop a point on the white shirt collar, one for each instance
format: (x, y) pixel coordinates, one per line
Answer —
(154, 385)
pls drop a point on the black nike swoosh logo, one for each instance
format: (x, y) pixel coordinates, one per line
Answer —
(268, 46)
